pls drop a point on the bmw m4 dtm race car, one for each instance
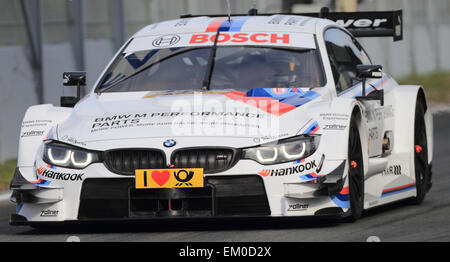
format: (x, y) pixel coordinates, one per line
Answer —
(259, 115)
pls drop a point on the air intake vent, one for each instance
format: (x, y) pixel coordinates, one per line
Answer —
(126, 161)
(212, 160)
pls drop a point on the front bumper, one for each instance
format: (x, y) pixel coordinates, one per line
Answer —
(224, 196)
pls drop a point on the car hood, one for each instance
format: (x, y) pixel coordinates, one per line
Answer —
(223, 117)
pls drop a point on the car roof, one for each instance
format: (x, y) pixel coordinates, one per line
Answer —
(272, 23)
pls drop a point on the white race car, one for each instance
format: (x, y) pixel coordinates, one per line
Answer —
(271, 115)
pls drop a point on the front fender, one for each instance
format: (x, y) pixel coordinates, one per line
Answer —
(36, 125)
(334, 119)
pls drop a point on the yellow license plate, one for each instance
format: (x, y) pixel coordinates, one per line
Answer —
(169, 178)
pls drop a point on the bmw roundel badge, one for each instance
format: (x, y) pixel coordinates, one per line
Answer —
(169, 143)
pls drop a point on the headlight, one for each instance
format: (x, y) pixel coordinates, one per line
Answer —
(67, 156)
(286, 150)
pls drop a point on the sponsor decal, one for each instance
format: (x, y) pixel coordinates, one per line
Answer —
(49, 213)
(137, 120)
(258, 38)
(293, 21)
(169, 178)
(373, 133)
(334, 116)
(264, 172)
(334, 127)
(182, 22)
(72, 140)
(298, 207)
(32, 133)
(265, 138)
(166, 41)
(276, 20)
(299, 168)
(44, 172)
(393, 170)
(183, 176)
(34, 123)
(213, 114)
(362, 23)
(117, 120)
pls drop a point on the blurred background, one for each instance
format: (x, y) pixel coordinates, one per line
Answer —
(40, 39)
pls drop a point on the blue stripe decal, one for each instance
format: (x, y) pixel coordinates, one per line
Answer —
(340, 201)
(311, 127)
(43, 183)
(398, 191)
(19, 207)
(291, 96)
(235, 25)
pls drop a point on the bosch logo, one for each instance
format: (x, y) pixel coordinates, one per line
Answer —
(166, 40)
(169, 143)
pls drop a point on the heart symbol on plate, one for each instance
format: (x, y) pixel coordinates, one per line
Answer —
(160, 177)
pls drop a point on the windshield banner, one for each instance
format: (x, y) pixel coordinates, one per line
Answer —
(275, 39)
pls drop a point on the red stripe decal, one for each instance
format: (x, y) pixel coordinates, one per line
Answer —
(215, 24)
(344, 191)
(36, 182)
(315, 130)
(266, 104)
(398, 188)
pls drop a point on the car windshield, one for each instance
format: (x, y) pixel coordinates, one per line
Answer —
(237, 67)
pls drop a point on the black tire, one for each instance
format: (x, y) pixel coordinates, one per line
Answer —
(420, 147)
(356, 173)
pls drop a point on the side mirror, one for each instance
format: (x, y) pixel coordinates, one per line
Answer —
(77, 79)
(370, 71)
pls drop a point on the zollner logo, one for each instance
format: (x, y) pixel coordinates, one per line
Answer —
(166, 40)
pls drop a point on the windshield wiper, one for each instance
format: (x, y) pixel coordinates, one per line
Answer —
(210, 66)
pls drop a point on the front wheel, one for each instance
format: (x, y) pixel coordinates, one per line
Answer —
(355, 173)
(421, 165)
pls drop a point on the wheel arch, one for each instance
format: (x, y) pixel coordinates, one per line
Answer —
(404, 104)
(421, 96)
(357, 112)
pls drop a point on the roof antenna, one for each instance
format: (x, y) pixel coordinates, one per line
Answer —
(253, 10)
(324, 12)
(229, 11)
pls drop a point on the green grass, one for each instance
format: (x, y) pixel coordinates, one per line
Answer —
(6, 173)
(437, 85)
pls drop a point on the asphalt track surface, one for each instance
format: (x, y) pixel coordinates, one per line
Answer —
(397, 222)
